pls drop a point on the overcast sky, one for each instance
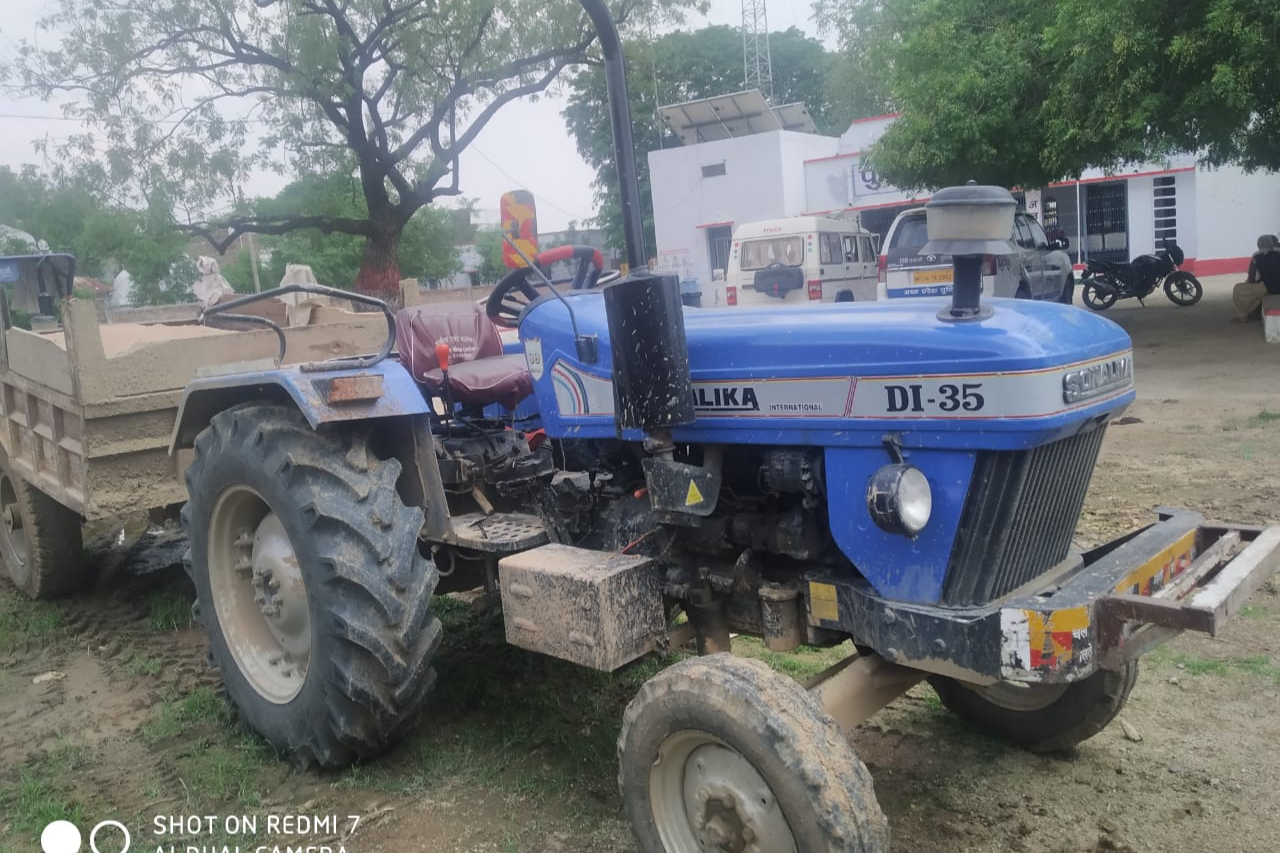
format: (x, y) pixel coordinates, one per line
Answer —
(525, 146)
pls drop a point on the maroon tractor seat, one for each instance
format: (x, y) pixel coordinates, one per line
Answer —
(479, 374)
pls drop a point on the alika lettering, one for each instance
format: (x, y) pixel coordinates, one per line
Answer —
(725, 398)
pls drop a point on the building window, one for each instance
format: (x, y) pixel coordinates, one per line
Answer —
(719, 238)
(1106, 221)
(715, 170)
(1166, 210)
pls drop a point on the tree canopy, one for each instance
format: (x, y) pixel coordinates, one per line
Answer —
(683, 66)
(427, 248)
(1032, 91)
(190, 98)
(71, 215)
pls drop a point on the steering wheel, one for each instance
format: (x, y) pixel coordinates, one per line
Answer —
(588, 263)
(514, 293)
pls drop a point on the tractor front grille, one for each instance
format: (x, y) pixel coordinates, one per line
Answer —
(1019, 517)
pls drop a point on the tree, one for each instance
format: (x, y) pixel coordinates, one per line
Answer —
(69, 215)
(855, 83)
(1032, 91)
(401, 86)
(143, 244)
(489, 245)
(683, 66)
(426, 248)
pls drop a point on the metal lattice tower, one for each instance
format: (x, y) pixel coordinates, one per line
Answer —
(757, 63)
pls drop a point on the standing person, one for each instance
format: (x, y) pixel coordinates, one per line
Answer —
(1263, 280)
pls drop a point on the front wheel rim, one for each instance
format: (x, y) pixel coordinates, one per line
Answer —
(706, 796)
(259, 596)
(1183, 292)
(15, 534)
(1097, 299)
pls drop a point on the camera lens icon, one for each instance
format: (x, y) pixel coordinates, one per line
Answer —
(63, 836)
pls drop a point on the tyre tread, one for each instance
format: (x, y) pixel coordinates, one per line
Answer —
(381, 584)
(808, 742)
(55, 545)
(1087, 708)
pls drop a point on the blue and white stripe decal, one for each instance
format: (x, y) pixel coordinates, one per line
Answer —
(1020, 394)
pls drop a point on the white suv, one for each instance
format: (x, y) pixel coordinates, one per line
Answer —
(1039, 270)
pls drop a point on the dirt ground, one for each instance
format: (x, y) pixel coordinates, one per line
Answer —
(108, 711)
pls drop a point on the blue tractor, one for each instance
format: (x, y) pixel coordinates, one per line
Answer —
(906, 476)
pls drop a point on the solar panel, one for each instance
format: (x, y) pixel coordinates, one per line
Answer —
(722, 117)
(795, 117)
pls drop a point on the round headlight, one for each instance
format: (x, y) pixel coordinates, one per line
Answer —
(899, 499)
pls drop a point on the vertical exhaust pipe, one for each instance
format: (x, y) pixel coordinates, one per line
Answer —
(652, 388)
(624, 151)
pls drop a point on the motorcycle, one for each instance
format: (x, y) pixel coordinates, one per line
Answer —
(1106, 282)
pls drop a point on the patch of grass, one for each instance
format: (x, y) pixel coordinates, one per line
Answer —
(39, 793)
(175, 716)
(1262, 420)
(141, 664)
(65, 758)
(229, 771)
(168, 611)
(506, 720)
(33, 802)
(1259, 666)
(25, 622)
(802, 664)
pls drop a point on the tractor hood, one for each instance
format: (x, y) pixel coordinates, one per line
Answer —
(848, 374)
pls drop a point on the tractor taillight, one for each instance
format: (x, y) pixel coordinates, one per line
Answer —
(815, 290)
(882, 263)
(731, 295)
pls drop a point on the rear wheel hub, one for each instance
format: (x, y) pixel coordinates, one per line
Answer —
(11, 516)
(259, 594)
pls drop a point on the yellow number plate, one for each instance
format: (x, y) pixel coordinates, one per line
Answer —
(931, 277)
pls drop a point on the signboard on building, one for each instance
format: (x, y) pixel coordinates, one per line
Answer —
(866, 182)
(678, 261)
(1034, 208)
(837, 183)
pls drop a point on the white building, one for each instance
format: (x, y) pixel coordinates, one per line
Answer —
(733, 171)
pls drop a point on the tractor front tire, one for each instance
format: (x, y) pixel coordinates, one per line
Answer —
(40, 539)
(310, 584)
(1041, 717)
(722, 753)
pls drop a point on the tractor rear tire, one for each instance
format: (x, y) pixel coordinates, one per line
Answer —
(723, 753)
(310, 583)
(40, 539)
(1041, 718)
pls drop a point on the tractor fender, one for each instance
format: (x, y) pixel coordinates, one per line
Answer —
(385, 390)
